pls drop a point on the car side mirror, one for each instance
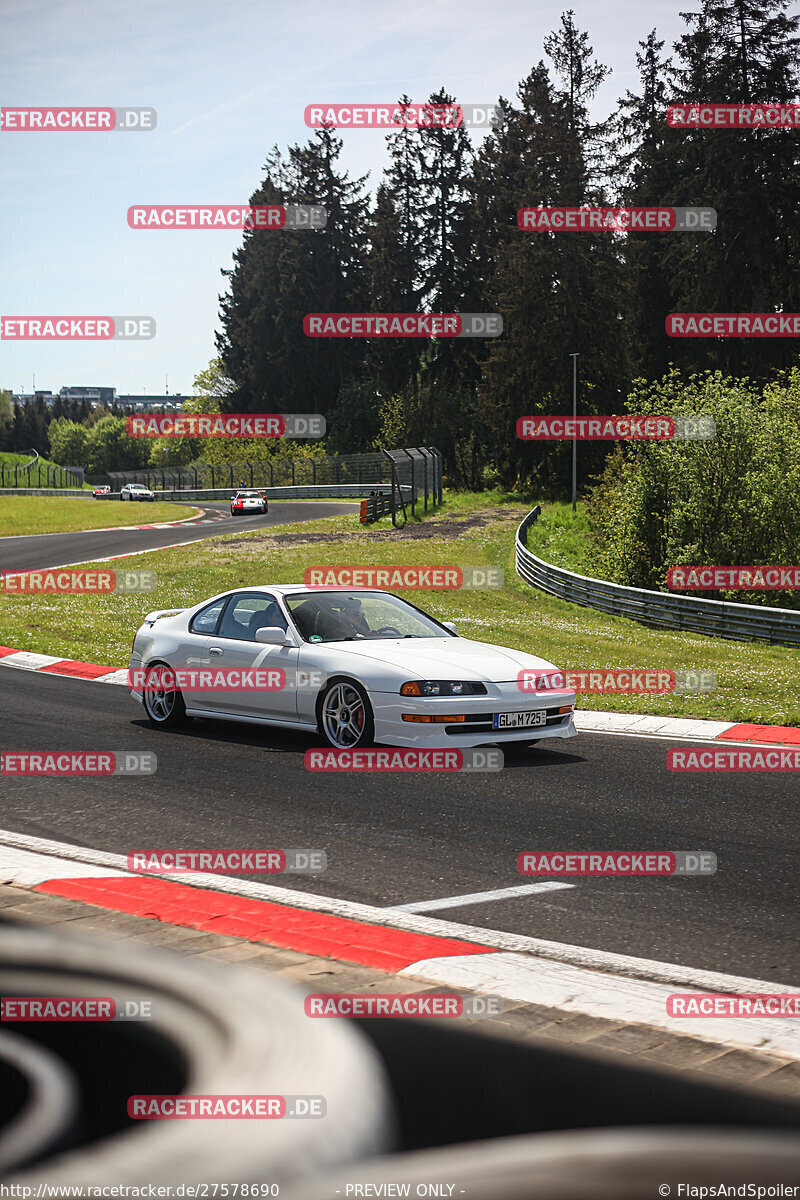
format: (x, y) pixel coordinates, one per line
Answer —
(451, 625)
(271, 635)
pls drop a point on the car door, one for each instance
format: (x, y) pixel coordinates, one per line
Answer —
(191, 656)
(234, 648)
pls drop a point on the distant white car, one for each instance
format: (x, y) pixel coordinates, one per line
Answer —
(136, 491)
(248, 500)
(369, 667)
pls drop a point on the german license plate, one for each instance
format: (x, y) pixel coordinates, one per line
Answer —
(519, 720)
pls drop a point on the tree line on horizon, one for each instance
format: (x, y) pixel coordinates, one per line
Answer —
(441, 235)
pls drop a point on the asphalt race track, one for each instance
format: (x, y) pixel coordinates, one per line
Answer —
(63, 549)
(400, 839)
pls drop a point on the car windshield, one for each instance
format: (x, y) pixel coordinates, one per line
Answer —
(359, 616)
(247, 496)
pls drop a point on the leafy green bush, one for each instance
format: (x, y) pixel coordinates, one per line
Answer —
(733, 500)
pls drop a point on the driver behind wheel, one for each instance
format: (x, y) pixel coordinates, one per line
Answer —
(352, 615)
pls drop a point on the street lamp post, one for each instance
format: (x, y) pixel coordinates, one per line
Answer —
(574, 358)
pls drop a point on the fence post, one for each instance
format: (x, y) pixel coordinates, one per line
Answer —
(438, 473)
(413, 484)
(424, 474)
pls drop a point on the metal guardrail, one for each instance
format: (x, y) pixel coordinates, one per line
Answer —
(322, 491)
(660, 610)
(32, 491)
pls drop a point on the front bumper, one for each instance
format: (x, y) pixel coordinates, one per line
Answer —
(476, 730)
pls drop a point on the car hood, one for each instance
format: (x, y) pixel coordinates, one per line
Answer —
(444, 658)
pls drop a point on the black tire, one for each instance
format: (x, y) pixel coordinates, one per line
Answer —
(327, 721)
(214, 1030)
(164, 706)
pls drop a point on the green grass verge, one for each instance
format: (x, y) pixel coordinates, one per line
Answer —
(21, 515)
(756, 682)
(564, 539)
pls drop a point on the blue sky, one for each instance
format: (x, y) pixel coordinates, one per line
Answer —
(228, 81)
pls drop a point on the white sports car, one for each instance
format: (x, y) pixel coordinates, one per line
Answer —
(349, 671)
(136, 491)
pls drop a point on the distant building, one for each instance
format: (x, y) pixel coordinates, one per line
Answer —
(23, 397)
(146, 403)
(105, 396)
(95, 395)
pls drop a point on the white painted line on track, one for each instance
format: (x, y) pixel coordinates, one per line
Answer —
(574, 989)
(63, 855)
(524, 889)
(28, 869)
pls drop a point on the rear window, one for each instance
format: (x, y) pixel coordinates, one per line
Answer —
(206, 620)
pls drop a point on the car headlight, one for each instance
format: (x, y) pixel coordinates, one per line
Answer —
(442, 687)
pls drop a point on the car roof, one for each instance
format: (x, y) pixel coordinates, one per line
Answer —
(292, 589)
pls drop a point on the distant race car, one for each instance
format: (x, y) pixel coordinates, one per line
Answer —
(101, 491)
(248, 501)
(136, 491)
(369, 667)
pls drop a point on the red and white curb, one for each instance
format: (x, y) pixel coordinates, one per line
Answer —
(586, 720)
(521, 969)
(52, 665)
